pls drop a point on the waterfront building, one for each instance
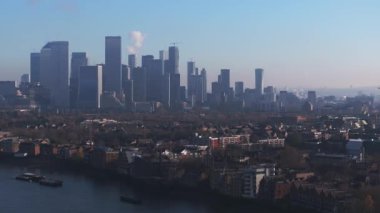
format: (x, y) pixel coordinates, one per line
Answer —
(30, 148)
(9, 145)
(252, 176)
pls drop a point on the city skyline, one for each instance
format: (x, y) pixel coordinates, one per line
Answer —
(332, 39)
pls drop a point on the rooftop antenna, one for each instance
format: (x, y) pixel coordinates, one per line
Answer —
(175, 43)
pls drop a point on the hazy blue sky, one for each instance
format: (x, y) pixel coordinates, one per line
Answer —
(307, 43)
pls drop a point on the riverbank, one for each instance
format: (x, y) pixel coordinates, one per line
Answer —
(194, 194)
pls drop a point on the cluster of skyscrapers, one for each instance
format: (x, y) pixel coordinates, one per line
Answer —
(156, 83)
(109, 85)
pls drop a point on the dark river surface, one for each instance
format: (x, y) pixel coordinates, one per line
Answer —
(84, 193)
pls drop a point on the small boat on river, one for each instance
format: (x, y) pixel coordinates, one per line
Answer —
(42, 180)
(30, 177)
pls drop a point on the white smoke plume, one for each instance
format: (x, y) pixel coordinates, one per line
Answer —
(136, 41)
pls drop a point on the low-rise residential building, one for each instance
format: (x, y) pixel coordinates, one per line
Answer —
(222, 142)
(274, 188)
(103, 157)
(47, 149)
(272, 142)
(355, 149)
(323, 159)
(318, 198)
(30, 148)
(252, 176)
(241, 183)
(303, 176)
(68, 152)
(227, 182)
(9, 145)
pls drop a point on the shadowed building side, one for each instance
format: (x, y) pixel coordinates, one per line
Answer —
(54, 72)
(90, 87)
(78, 59)
(112, 72)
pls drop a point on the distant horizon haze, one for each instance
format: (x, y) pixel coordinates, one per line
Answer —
(308, 44)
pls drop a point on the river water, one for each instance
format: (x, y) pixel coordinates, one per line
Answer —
(82, 193)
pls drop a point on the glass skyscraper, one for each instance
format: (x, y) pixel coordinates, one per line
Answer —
(54, 72)
(112, 72)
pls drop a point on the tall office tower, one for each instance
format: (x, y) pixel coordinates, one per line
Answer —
(166, 89)
(259, 80)
(163, 55)
(112, 72)
(146, 65)
(155, 73)
(138, 76)
(78, 59)
(124, 81)
(54, 72)
(128, 91)
(90, 87)
(146, 61)
(132, 61)
(124, 74)
(34, 68)
(199, 85)
(269, 94)
(173, 61)
(225, 80)
(198, 90)
(171, 68)
(312, 96)
(239, 89)
(182, 93)
(190, 78)
(175, 84)
(24, 79)
(215, 87)
(204, 85)
(216, 93)
(24, 83)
